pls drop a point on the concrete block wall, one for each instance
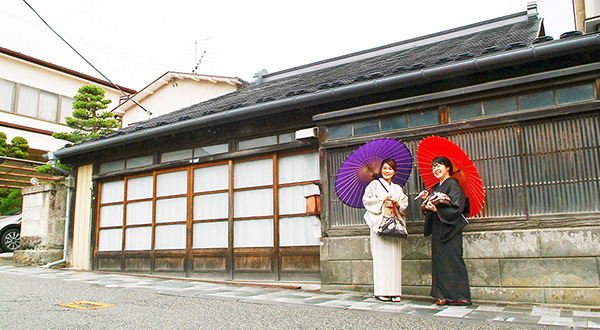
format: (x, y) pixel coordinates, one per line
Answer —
(43, 224)
(546, 266)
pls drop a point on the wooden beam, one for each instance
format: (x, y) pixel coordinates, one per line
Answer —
(29, 169)
(9, 186)
(51, 178)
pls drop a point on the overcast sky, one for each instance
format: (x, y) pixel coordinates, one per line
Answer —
(134, 42)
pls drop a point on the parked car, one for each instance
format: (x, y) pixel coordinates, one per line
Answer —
(10, 232)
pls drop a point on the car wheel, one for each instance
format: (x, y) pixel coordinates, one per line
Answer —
(10, 240)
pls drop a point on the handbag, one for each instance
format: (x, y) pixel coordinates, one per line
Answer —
(393, 226)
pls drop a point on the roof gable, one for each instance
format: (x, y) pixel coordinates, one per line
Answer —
(170, 77)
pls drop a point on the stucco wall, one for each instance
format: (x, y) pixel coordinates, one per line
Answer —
(26, 73)
(47, 79)
(173, 96)
(549, 266)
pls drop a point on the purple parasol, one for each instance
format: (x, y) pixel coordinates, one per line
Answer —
(363, 165)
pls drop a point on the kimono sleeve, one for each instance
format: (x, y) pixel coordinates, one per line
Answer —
(452, 216)
(371, 201)
(402, 199)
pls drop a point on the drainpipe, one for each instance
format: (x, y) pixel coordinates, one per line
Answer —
(69, 182)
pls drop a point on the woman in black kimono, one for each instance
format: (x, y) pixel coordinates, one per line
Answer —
(445, 208)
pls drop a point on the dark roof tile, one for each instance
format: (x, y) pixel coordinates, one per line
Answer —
(397, 62)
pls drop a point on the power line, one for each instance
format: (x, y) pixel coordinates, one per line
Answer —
(88, 62)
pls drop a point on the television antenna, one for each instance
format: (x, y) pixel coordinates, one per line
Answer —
(198, 61)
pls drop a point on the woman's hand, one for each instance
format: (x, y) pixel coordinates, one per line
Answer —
(429, 206)
(423, 194)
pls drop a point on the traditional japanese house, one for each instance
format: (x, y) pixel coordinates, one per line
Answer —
(218, 189)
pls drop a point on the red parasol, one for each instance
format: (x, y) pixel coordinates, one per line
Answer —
(363, 164)
(464, 170)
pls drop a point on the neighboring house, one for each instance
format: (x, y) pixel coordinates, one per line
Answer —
(172, 91)
(587, 15)
(36, 96)
(217, 190)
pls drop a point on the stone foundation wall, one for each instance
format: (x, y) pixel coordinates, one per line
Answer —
(43, 224)
(546, 266)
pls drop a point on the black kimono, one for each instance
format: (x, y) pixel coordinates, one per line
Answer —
(449, 273)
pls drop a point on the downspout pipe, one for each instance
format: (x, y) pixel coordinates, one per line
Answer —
(478, 64)
(70, 189)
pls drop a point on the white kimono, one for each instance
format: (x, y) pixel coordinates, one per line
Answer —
(386, 250)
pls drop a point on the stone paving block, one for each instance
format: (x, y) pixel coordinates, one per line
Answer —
(349, 305)
(489, 308)
(517, 318)
(588, 314)
(501, 244)
(564, 313)
(550, 272)
(518, 309)
(316, 301)
(561, 321)
(423, 311)
(481, 315)
(593, 324)
(288, 300)
(545, 311)
(454, 311)
(393, 308)
(570, 242)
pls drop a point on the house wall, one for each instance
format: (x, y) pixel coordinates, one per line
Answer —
(82, 217)
(177, 94)
(38, 132)
(537, 238)
(245, 220)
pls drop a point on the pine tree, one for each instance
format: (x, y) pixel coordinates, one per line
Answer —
(3, 145)
(89, 121)
(11, 200)
(19, 148)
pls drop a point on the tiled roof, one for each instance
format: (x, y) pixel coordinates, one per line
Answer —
(455, 45)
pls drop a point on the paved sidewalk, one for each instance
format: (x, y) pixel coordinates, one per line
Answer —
(518, 315)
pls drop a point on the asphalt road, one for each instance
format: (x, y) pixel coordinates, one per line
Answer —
(32, 301)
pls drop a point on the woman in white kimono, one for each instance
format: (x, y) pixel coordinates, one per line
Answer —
(379, 198)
